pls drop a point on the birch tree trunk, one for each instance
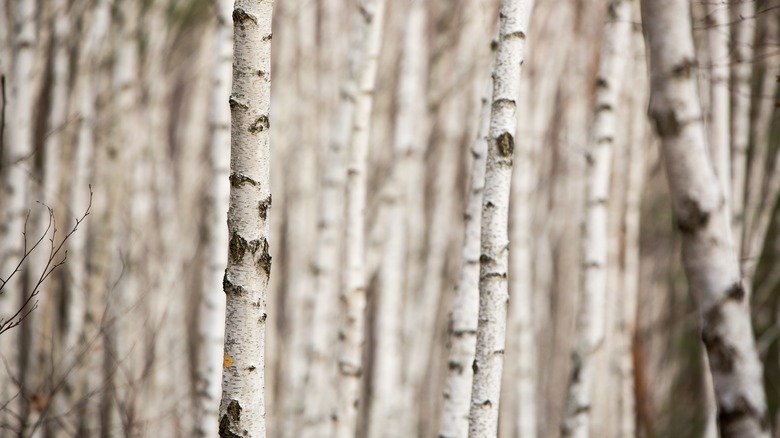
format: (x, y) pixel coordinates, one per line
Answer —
(212, 309)
(350, 362)
(387, 393)
(463, 320)
(595, 247)
(742, 73)
(709, 258)
(718, 132)
(330, 246)
(242, 409)
(494, 243)
(17, 167)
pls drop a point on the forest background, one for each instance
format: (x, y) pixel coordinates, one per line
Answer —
(119, 109)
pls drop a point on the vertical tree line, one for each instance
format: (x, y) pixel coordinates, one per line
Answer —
(486, 218)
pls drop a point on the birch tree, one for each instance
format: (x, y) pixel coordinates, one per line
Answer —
(463, 319)
(16, 168)
(744, 33)
(494, 241)
(242, 409)
(591, 318)
(212, 310)
(709, 259)
(350, 362)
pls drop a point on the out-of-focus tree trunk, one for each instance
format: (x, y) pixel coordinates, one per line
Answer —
(387, 390)
(709, 257)
(21, 92)
(494, 239)
(592, 312)
(329, 250)
(212, 307)
(463, 319)
(350, 362)
(743, 12)
(242, 409)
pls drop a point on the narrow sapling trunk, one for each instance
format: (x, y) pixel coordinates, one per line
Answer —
(709, 258)
(242, 410)
(494, 244)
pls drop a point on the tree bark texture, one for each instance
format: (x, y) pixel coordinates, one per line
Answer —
(494, 239)
(709, 259)
(242, 409)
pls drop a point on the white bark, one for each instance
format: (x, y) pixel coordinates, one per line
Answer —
(592, 312)
(387, 394)
(709, 259)
(327, 260)
(212, 309)
(742, 73)
(718, 129)
(494, 244)
(350, 360)
(242, 409)
(626, 323)
(16, 168)
(463, 319)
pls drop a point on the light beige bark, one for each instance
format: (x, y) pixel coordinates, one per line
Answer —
(743, 12)
(592, 311)
(718, 132)
(329, 249)
(630, 224)
(212, 309)
(463, 319)
(387, 390)
(494, 251)
(350, 360)
(17, 166)
(709, 259)
(242, 409)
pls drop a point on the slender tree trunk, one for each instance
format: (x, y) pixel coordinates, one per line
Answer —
(17, 166)
(354, 294)
(330, 247)
(709, 258)
(718, 129)
(595, 245)
(494, 244)
(630, 225)
(742, 73)
(212, 308)
(242, 409)
(387, 393)
(463, 319)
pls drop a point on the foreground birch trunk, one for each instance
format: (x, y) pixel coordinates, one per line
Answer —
(709, 258)
(212, 308)
(242, 409)
(350, 362)
(595, 247)
(494, 244)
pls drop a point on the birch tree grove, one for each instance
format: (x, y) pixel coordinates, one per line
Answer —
(709, 257)
(494, 240)
(471, 231)
(242, 409)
